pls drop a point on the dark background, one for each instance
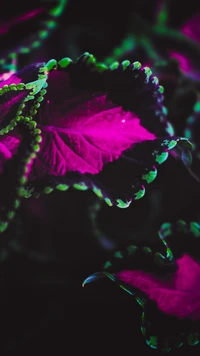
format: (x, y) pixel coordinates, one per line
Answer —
(43, 307)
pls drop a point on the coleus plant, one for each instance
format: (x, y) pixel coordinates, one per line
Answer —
(73, 124)
(166, 285)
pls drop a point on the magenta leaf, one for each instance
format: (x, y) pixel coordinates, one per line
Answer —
(177, 294)
(86, 137)
(95, 117)
(166, 287)
(94, 123)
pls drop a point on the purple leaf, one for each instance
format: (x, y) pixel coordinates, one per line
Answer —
(84, 132)
(90, 121)
(95, 122)
(176, 294)
(166, 286)
(82, 128)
